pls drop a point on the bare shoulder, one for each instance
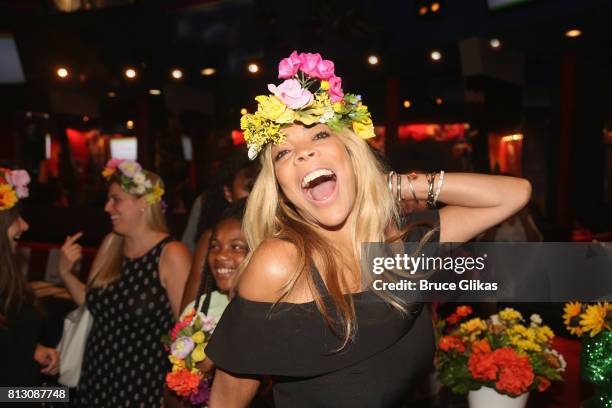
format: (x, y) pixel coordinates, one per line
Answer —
(268, 271)
(175, 251)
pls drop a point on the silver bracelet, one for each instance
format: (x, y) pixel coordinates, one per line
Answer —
(412, 189)
(399, 188)
(439, 187)
(390, 181)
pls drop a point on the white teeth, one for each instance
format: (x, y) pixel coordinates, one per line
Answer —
(315, 174)
(114, 217)
(225, 271)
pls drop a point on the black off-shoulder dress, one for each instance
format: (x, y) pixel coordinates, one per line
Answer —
(292, 344)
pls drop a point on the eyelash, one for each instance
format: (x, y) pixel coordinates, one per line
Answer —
(279, 155)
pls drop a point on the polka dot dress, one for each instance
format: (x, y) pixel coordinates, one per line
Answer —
(124, 363)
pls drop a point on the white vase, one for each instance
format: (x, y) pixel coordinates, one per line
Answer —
(487, 397)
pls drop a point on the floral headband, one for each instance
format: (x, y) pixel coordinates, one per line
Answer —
(133, 180)
(310, 94)
(13, 187)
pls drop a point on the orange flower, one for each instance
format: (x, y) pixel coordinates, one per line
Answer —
(449, 342)
(544, 384)
(482, 366)
(453, 319)
(463, 310)
(481, 346)
(183, 382)
(516, 374)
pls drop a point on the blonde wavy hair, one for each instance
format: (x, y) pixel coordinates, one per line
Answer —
(269, 214)
(107, 267)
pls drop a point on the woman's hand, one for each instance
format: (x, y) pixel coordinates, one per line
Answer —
(70, 253)
(206, 367)
(48, 358)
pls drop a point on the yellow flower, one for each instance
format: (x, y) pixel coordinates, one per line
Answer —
(108, 172)
(544, 334)
(510, 314)
(198, 354)
(325, 85)
(8, 197)
(571, 309)
(364, 129)
(176, 362)
(198, 337)
(594, 318)
(525, 345)
(472, 325)
(272, 108)
(155, 195)
(338, 107)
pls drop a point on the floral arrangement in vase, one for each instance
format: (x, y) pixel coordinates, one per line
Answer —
(501, 352)
(593, 323)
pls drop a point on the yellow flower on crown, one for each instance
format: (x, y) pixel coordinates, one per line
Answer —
(8, 197)
(364, 129)
(108, 172)
(271, 108)
(155, 195)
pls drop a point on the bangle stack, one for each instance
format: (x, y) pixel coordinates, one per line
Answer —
(433, 189)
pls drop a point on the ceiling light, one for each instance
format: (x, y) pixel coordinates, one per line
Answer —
(130, 73)
(373, 60)
(111, 94)
(62, 72)
(243, 111)
(177, 74)
(435, 7)
(208, 71)
(253, 68)
(439, 101)
(495, 43)
(573, 33)
(435, 55)
(154, 92)
(129, 124)
(407, 104)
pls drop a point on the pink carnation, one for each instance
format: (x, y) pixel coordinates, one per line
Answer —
(114, 163)
(310, 62)
(288, 67)
(178, 327)
(325, 69)
(19, 179)
(291, 93)
(335, 89)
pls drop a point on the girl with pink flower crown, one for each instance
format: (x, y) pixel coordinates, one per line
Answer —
(303, 312)
(133, 293)
(20, 323)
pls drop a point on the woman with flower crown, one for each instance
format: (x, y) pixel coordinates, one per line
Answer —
(303, 311)
(20, 323)
(133, 293)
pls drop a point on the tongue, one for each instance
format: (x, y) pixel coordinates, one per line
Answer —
(323, 190)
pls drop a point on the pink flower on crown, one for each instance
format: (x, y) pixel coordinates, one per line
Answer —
(130, 168)
(324, 69)
(335, 89)
(19, 179)
(288, 67)
(114, 163)
(310, 63)
(291, 93)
